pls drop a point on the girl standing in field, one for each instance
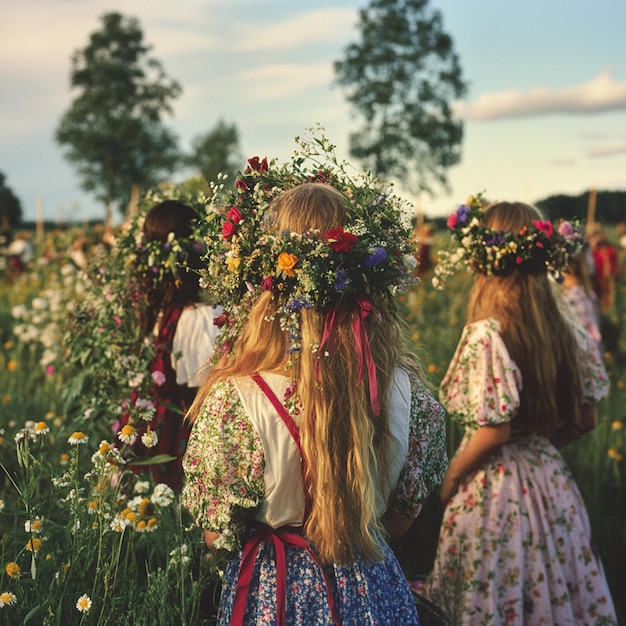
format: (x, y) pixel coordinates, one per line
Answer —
(515, 542)
(314, 437)
(182, 326)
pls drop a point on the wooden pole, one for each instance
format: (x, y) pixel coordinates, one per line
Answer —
(39, 220)
(591, 212)
(134, 202)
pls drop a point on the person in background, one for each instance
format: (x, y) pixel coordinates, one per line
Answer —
(515, 543)
(606, 271)
(302, 460)
(579, 295)
(182, 326)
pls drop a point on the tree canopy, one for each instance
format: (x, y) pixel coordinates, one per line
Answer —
(402, 77)
(113, 131)
(610, 206)
(10, 206)
(217, 152)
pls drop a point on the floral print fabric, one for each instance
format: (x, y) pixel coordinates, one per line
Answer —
(515, 542)
(224, 466)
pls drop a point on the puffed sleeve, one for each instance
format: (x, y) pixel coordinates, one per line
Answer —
(426, 461)
(193, 342)
(224, 466)
(482, 384)
(595, 380)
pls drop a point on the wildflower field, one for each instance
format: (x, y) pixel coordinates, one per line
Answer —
(83, 541)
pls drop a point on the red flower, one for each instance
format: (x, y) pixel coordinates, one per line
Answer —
(452, 221)
(341, 241)
(234, 214)
(267, 284)
(228, 230)
(519, 260)
(545, 227)
(259, 166)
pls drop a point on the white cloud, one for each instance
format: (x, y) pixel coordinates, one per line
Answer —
(313, 27)
(600, 94)
(608, 151)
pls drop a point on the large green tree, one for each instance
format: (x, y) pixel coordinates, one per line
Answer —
(217, 152)
(402, 78)
(114, 131)
(10, 206)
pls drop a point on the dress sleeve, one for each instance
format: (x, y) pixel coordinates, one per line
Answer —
(193, 342)
(595, 380)
(224, 466)
(426, 461)
(482, 385)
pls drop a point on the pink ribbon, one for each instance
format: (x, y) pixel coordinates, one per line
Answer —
(334, 318)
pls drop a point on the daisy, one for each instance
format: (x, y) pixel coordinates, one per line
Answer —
(127, 434)
(13, 570)
(7, 598)
(150, 439)
(77, 438)
(84, 603)
(41, 428)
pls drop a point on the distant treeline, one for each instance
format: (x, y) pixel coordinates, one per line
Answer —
(610, 208)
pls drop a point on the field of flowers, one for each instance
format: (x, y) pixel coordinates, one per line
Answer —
(82, 541)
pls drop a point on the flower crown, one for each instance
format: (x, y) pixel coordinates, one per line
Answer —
(533, 249)
(370, 255)
(157, 259)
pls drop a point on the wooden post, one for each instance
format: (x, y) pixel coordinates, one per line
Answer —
(39, 235)
(591, 212)
(134, 202)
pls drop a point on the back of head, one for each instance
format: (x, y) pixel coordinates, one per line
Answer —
(176, 287)
(539, 339)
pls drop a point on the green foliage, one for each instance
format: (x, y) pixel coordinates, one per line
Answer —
(10, 206)
(113, 131)
(610, 206)
(402, 77)
(217, 152)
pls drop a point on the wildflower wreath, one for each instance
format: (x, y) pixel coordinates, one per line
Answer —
(498, 252)
(371, 254)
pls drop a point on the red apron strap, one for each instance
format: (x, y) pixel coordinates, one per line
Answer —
(280, 538)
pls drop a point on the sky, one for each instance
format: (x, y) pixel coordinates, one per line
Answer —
(545, 111)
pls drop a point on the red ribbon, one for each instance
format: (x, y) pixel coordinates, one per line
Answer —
(334, 318)
(280, 537)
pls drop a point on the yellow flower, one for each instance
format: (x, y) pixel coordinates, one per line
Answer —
(233, 263)
(127, 434)
(34, 545)
(287, 262)
(152, 523)
(432, 368)
(6, 399)
(105, 447)
(49, 415)
(614, 454)
(77, 438)
(144, 507)
(141, 526)
(8, 345)
(84, 603)
(12, 366)
(617, 425)
(64, 458)
(621, 384)
(13, 570)
(41, 428)
(7, 598)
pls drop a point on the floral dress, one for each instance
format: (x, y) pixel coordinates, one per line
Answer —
(515, 542)
(242, 466)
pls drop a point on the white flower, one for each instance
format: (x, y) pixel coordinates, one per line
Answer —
(1, 504)
(142, 486)
(162, 495)
(84, 603)
(77, 438)
(149, 439)
(128, 434)
(7, 598)
(136, 380)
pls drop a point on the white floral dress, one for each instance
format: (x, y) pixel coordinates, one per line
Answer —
(515, 542)
(242, 466)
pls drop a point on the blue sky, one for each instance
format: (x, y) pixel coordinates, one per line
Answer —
(545, 111)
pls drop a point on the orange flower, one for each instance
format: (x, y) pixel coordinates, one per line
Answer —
(34, 545)
(287, 262)
(13, 570)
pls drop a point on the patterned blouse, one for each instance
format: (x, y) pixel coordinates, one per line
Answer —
(225, 462)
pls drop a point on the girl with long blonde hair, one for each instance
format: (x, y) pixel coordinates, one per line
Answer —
(515, 544)
(301, 463)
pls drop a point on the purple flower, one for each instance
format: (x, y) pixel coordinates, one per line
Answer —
(341, 281)
(463, 214)
(377, 256)
(158, 377)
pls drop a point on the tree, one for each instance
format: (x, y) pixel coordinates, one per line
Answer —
(10, 206)
(217, 152)
(402, 78)
(113, 130)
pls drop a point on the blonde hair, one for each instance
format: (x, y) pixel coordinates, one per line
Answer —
(344, 444)
(537, 335)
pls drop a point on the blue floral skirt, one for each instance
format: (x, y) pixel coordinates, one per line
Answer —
(366, 593)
